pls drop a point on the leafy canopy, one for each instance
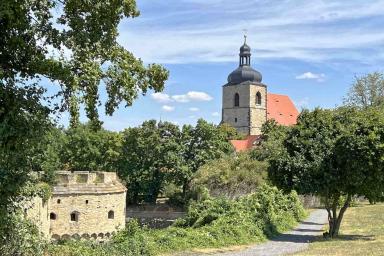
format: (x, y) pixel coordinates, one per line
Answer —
(74, 42)
(333, 154)
(366, 91)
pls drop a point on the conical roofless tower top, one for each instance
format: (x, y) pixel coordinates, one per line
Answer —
(244, 73)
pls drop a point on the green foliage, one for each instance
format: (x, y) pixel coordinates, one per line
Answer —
(150, 156)
(19, 236)
(157, 154)
(23, 121)
(231, 176)
(273, 136)
(84, 149)
(44, 191)
(35, 35)
(333, 153)
(367, 91)
(209, 223)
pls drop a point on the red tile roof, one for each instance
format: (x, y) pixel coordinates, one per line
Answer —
(247, 143)
(282, 109)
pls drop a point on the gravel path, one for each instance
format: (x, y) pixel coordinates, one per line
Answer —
(290, 242)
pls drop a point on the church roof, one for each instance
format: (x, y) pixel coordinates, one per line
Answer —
(281, 109)
(247, 143)
(244, 73)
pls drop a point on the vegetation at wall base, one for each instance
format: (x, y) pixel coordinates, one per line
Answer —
(211, 223)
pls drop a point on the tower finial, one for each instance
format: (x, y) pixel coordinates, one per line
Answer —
(245, 35)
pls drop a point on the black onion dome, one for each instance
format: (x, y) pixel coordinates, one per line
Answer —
(245, 49)
(244, 74)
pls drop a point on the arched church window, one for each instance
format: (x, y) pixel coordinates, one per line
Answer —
(111, 215)
(237, 100)
(258, 98)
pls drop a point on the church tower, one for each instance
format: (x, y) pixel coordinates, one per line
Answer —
(245, 97)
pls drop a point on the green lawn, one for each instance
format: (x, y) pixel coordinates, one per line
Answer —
(362, 233)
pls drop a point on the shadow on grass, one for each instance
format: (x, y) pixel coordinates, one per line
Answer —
(311, 223)
(348, 238)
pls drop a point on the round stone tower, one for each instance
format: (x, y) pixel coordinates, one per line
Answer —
(245, 97)
(88, 205)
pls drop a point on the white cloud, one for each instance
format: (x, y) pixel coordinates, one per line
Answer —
(167, 108)
(310, 75)
(192, 96)
(215, 114)
(161, 97)
(193, 109)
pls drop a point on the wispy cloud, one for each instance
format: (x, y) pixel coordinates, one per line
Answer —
(215, 114)
(192, 96)
(168, 108)
(201, 31)
(182, 98)
(194, 109)
(310, 75)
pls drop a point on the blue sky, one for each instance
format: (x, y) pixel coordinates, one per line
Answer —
(309, 50)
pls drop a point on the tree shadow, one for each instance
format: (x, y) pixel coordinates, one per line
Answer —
(300, 236)
(349, 238)
(311, 223)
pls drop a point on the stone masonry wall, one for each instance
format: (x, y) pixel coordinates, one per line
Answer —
(37, 211)
(92, 215)
(248, 117)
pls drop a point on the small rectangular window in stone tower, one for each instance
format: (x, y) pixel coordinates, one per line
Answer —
(74, 216)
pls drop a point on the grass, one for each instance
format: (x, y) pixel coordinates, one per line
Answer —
(362, 233)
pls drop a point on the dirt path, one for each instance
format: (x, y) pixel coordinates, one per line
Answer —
(288, 243)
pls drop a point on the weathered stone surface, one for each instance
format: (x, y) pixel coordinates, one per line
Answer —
(83, 205)
(249, 116)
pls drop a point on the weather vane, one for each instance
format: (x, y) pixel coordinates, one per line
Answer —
(245, 35)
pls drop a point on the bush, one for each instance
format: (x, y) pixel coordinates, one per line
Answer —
(19, 236)
(231, 176)
(214, 222)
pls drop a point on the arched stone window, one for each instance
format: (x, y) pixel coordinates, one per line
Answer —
(74, 216)
(111, 215)
(258, 98)
(237, 100)
(58, 201)
(52, 216)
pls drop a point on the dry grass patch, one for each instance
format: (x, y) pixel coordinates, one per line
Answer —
(362, 233)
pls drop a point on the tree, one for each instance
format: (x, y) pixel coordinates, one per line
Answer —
(366, 91)
(203, 143)
(74, 43)
(334, 154)
(84, 149)
(150, 154)
(157, 154)
(273, 136)
(23, 122)
(231, 176)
